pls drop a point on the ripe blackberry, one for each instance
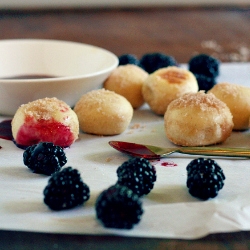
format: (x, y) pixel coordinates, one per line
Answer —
(205, 178)
(153, 61)
(128, 59)
(204, 65)
(65, 190)
(44, 158)
(118, 207)
(205, 83)
(137, 174)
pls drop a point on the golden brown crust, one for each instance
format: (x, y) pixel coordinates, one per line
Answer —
(103, 112)
(127, 81)
(197, 119)
(165, 85)
(237, 98)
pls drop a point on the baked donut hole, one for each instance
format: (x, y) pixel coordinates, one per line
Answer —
(45, 120)
(197, 119)
(103, 112)
(127, 81)
(237, 98)
(165, 85)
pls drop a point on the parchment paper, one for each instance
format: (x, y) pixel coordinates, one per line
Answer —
(169, 210)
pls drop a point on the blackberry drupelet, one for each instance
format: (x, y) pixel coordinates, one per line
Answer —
(137, 174)
(204, 65)
(205, 83)
(118, 207)
(151, 62)
(205, 178)
(44, 158)
(128, 59)
(65, 190)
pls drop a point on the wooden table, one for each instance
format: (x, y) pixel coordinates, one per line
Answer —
(180, 32)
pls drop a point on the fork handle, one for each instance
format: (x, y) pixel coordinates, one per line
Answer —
(213, 151)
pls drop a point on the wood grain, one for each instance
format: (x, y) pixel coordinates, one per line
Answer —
(178, 32)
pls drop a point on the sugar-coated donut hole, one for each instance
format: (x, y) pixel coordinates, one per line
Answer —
(103, 112)
(197, 119)
(165, 85)
(46, 119)
(127, 80)
(237, 98)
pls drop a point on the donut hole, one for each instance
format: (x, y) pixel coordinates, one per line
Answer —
(103, 112)
(197, 119)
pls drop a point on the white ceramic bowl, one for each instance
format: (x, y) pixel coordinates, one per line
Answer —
(73, 69)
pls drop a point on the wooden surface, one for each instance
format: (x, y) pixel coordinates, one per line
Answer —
(181, 33)
(178, 32)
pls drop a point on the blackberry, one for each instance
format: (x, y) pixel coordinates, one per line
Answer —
(205, 178)
(65, 190)
(203, 64)
(205, 83)
(118, 207)
(137, 174)
(128, 59)
(44, 158)
(153, 61)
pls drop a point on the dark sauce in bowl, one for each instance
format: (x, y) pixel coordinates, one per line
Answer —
(23, 77)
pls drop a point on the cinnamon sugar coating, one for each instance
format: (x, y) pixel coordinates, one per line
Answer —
(44, 108)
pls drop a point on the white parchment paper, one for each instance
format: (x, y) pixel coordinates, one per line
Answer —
(169, 210)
